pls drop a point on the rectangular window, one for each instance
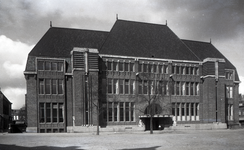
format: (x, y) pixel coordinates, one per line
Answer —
(178, 109)
(231, 92)
(187, 70)
(145, 86)
(54, 86)
(126, 86)
(121, 86)
(115, 66)
(183, 70)
(41, 85)
(127, 111)
(192, 88)
(55, 112)
(177, 88)
(173, 109)
(48, 112)
(41, 111)
(109, 65)
(166, 88)
(187, 88)
(151, 88)
(61, 112)
(160, 69)
(47, 65)
(154, 68)
(54, 66)
(140, 68)
(197, 89)
(116, 111)
(177, 69)
(47, 86)
(60, 86)
(187, 109)
(192, 110)
(173, 92)
(132, 67)
(121, 66)
(183, 88)
(166, 69)
(145, 66)
(132, 87)
(197, 71)
(121, 111)
(182, 110)
(60, 66)
(192, 70)
(116, 86)
(110, 86)
(149, 68)
(126, 67)
(173, 70)
(132, 112)
(40, 65)
(140, 87)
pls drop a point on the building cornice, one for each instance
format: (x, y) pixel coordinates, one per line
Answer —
(146, 58)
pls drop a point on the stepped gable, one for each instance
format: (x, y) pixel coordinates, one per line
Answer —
(128, 38)
(58, 42)
(207, 50)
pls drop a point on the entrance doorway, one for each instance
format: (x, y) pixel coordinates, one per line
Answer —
(159, 123)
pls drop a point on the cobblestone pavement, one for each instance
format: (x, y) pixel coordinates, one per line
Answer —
(165, 140)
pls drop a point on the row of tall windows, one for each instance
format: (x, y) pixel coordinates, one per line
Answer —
(51, 86)
(185, 70)
(51, 112)
(230, 112)
(50, 66)
(185, 88)
(153, 68)
(121, 86)
(153, 87)
(119, 111)
(229, 91)
(185, 111)
(120, 66)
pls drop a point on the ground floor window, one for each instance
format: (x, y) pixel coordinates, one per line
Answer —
(185, 111)
(51, 112)
(230, 112)
(119, 111)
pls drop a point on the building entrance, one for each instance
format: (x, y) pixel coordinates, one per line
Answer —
(158, 123)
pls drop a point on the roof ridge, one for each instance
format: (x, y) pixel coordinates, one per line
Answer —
(196, 41)
(141, 22)
(66, 28)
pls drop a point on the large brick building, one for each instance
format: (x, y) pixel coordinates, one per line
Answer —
(124, 76)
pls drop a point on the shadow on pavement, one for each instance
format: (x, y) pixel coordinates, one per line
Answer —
(148, 148)
(15, 147)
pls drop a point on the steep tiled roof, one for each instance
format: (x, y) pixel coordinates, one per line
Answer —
(207, 50)
(58, 42)
(128, 38)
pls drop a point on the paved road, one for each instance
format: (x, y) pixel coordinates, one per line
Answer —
(166, 140)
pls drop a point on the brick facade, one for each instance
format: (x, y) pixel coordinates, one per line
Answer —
(68, 92)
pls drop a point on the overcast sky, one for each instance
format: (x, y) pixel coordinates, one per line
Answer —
(24, 22)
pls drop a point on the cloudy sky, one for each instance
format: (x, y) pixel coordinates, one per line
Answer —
(24, 22)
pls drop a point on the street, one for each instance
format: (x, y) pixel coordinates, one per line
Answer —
(166, 140)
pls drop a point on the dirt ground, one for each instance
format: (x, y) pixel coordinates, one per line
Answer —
(165, 140)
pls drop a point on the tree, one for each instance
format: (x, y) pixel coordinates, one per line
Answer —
(152, 93)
